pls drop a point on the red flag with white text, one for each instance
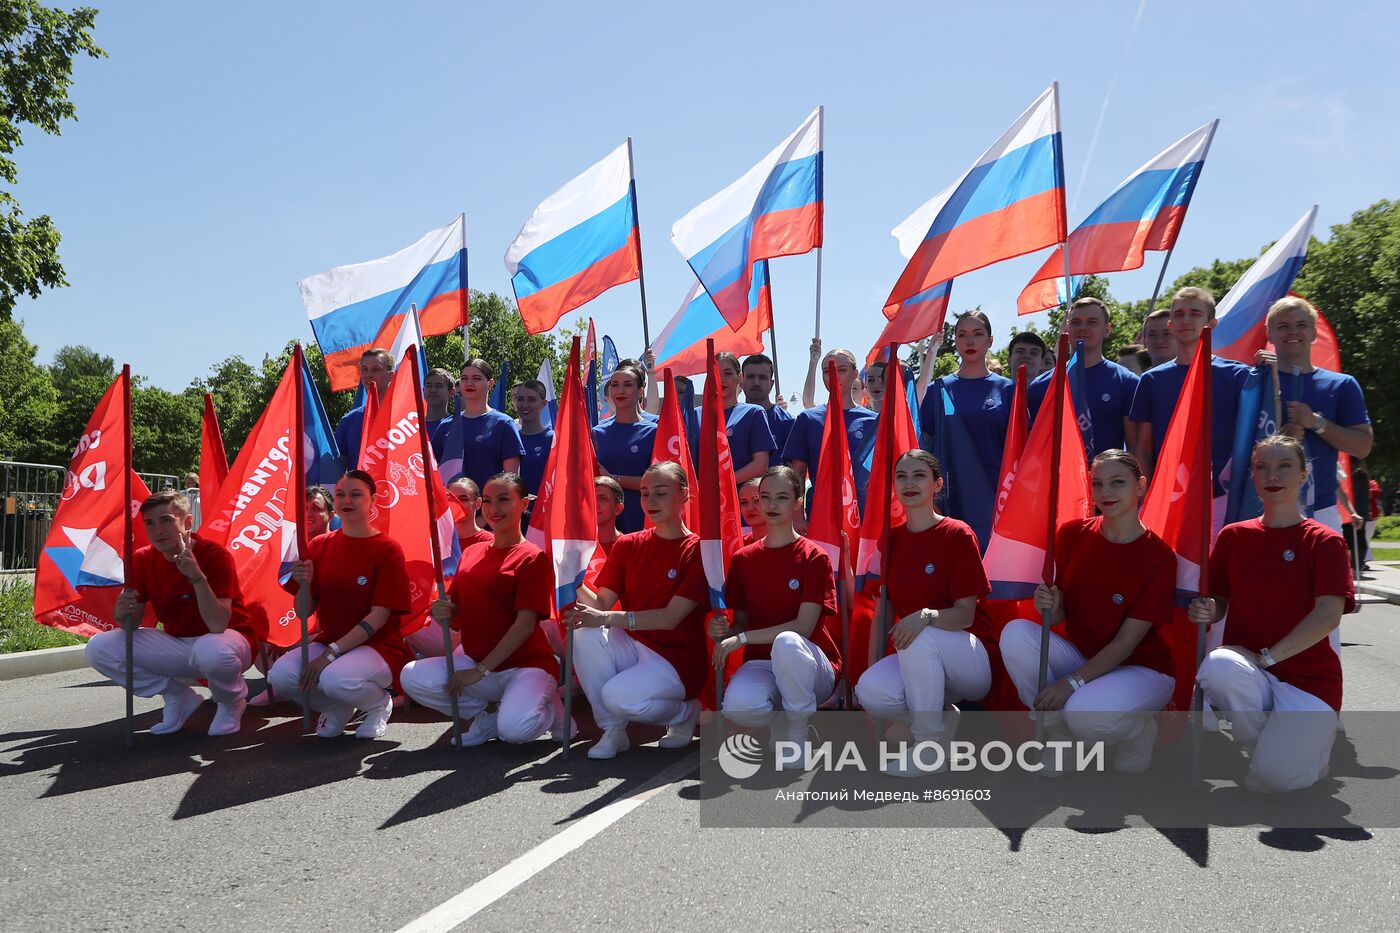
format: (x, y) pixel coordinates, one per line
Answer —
(894, 436)
(671, 444)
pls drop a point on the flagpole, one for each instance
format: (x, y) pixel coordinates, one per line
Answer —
(1047, 572)
(1207, 505)
(641, 270)
(427, 454)
(128, 547)
(773, 339)
(1161, 277)
(298, 489)
(821, 148)
(882, 612)
(466, 295)
(843, 604)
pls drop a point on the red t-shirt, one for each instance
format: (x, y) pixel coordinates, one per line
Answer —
(934, 568)
(646, 571)
(492, 585)
(1273, 577)
(480, 536)
(1105, 583)
(753, 537)
(771, 584)
(158, 582)
(353, 575)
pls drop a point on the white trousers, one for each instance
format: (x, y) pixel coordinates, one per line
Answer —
(427, 641)
(625, 681)
(529, 697)
(1291, 750)
(161, 661)
(796, 678)
(358, 678)
(939, 667)
(1111, 708)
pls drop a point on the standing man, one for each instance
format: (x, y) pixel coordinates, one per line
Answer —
(1109, 387)
(1160, 387)
(1323, 409)
(751, 445)
(758, 385)
(804, 444)
(1157, 337)
(376, 370)
(1026, 348)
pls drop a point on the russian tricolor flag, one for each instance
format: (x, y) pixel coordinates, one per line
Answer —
(352, 307)
(1143, 213)
(1239, 318)
(1010, 202)
(921, 316)
(681, 344)
(775, 209)
(580, 242)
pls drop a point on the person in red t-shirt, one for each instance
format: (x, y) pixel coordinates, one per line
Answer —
(781, 590)
(1281, 583)
(608, 496)
(645, 660)
(935, 578)
(752, 512)
(464, 490)
(1115, 590)
(205, 631)
(356, 581)
(499, 594)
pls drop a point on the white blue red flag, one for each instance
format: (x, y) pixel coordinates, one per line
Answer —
(355, 307)
(81, 567)
(894, 437)
(580, 242)
(1239, 317)
(1143, 213)
(1010, 202)
(681, 344)
(409, 337)
(720, 533)
(919, 317)
(550, 413)
(774, 210)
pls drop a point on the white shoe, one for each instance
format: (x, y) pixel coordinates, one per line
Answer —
(482, 731)
(682, 733)
(1134, 755)
(334, 720)
(375, 721)
(262, 699)
(180, 705)
(612, 744)
(796, 732)
(228, 718)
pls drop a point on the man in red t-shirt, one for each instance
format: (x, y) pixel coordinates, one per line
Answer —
(205, 632)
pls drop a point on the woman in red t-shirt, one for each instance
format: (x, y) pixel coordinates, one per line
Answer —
(935, 578)
(645, 660)
(1115, 590)
(356, 581)
(499, 594)
(782, 593)
(1281, 583)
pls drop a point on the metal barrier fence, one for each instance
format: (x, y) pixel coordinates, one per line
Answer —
(29, 493)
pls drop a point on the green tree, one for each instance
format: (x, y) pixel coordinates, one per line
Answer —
(165, 429)
(80, 376)
(37, 49)
(28, 402)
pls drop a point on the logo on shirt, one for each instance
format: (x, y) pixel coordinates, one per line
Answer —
(793, 584)
(1117, 599)
(538, 448)
(860, 433)
(480, 438)
(362, 580)
(928, 568)
(728, 432)
(1289, 555)
(634, 448)
(1106, 397)
(671, 574)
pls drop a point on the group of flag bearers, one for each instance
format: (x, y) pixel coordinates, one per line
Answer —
(776, 606)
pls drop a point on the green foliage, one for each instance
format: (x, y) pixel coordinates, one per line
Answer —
(18, 630)
(37, 49)
(1388, 528)
(27, 399)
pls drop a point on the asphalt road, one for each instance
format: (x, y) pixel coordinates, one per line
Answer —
(270, 830)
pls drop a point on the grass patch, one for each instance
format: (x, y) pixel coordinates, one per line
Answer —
(18, 630)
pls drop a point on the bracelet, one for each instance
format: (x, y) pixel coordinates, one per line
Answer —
(1266, 660)
(930, 617)
(333, 651)
(1321, 427)
(1075, 682)
(631, 621)
(743, 638)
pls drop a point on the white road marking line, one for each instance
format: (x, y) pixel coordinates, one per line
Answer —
(461, 907)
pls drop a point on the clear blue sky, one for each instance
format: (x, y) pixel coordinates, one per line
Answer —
(223, 152)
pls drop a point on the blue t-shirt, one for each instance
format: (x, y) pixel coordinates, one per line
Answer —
(1338, 398)
(433, 435)
(625, 450)
(477, 447)
(780, 426)
(805, 443)
(1157, 394)
(1110, 388)
(537, 448)
(347, 437)
(747, 428)
(983, 407)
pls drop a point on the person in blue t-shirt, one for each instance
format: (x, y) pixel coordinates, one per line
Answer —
(530, 398)
(478, 442)
(804, 445)
(1109, 387)
(1323, 409)
(1160, 387)
(376, 371)
(758, 390)
(982, 402)
(624, 442)
(751, 445)
(438, 387)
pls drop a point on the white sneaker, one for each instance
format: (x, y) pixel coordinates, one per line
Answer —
(375, 720)
(612, 744)
(334, 720)
(682, 733)
(180, 704)
(228, 718)
(796, 732)
(1134, 755)
(482, 731)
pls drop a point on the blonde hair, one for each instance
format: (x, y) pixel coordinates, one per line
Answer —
(845, 354)
(1284, 441)
(1291, 303)
(1192, 293)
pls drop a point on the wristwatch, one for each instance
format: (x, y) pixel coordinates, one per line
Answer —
(743, 638)
(1266, 660)
(1321, 427)
(631, 621)
(332, 651)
